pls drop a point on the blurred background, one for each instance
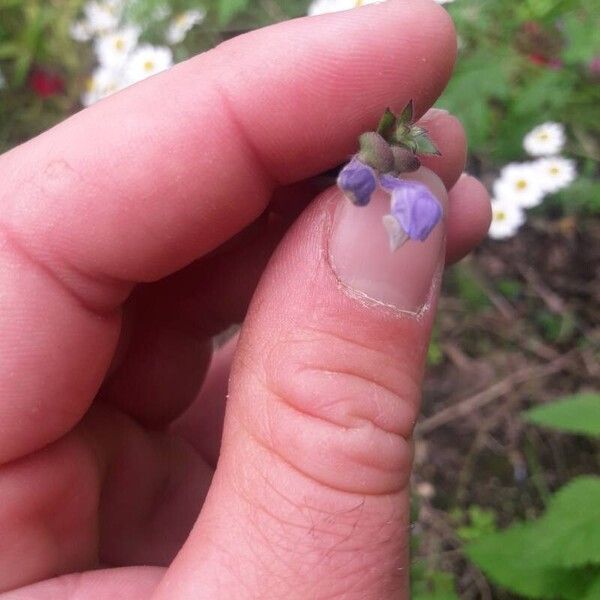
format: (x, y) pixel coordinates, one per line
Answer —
(507, 454)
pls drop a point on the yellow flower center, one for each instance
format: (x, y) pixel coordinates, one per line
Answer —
(120, 44)
(554, 170)
(543, 136)
(358, 3)
(499, 215)
(521, 184)
(149, 65)
(90, 85)
(181, 19)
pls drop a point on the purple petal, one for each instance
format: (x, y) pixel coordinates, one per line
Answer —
(416, 208)
(358, 182)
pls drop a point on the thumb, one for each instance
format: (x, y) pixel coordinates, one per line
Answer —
(310, 498)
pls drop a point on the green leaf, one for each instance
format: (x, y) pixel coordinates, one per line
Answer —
(593, 591)
(574, 414)
(557, 556)
(510, 559)
(227, 9)
(571, 526)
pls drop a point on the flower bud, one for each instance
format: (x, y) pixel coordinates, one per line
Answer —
(413, 206)
(376, 152)
(405, 161)
(357, 181)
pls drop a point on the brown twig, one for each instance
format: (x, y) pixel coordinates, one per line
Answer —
(481, 399)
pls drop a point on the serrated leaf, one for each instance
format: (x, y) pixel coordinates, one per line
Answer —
(572, 525)
(574, 414)
(387, 124)
(511, 560)
(556, 556)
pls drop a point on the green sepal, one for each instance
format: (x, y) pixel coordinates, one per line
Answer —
(407, 115)
(387, 125)
(423, 144)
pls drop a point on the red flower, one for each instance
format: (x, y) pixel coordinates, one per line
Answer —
(45, 83)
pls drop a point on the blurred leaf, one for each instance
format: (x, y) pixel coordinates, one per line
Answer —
(482, 522)
(227, 9)
(593, 591)
(431, 585)
(582, 34)
(468, 288)
(574, 414)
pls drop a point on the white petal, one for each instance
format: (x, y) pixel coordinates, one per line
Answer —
(396, 234)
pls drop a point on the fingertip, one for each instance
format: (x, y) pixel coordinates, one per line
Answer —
(469, 217)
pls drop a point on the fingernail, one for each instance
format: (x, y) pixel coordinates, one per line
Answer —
(360, 256)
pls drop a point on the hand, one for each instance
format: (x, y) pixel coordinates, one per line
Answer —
(126, 243)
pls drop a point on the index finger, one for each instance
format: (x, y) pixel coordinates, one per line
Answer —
(148, 180)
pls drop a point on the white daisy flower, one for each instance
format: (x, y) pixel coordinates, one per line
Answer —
(102, 83)
(321, 7)
(80, 31)
(112, 49)
(182, 23)
(102, 16)
(555, 173)
(520, 183)
(545, 140)
(507, 217)
(147, 60)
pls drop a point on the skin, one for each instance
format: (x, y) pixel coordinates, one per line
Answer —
(139, 228)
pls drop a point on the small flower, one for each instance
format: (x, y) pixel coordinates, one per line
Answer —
(112, 49)
(182, 23)
(555, 172)
(80, 31)
(358, 182)
(507, 217)
(321, 7)
(545, 140)
(146, 61)
(520, 183)
(103, 82)
(413, 206)
(45, 83)
(102, 16)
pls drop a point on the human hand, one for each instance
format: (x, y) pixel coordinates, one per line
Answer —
(126, 244)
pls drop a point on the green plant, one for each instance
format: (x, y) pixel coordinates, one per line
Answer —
(575, 414)
(557, 555)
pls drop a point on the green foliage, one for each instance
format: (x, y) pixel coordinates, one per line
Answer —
(468, 288)
(427, 584)
(518, 67)
(481, 522)
(555, 556)
(574, 414)
(227, 9)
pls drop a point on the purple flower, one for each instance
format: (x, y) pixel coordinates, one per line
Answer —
(413, 206)
(358, 182)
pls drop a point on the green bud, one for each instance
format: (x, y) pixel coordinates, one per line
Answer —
(376, 152)
(405, 161)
